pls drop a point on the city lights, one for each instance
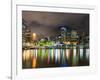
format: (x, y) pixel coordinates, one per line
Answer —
(34, 36)
(46, 46)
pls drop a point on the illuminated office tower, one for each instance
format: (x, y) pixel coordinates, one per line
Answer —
(23, 33)
(68, 35)
(26, 36)
(82, 40)
(34, 42)
(63, 33)
(87, 41)
(74, 37)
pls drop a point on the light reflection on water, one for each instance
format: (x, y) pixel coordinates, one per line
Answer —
(81, 53)
(87, 54)
(41, 58)
(67, 53)
(34, 60)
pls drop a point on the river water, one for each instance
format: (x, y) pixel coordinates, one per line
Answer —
(53, 57)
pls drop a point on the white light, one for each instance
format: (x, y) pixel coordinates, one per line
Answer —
(81, 53)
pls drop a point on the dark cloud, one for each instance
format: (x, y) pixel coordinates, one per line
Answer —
(35, 23)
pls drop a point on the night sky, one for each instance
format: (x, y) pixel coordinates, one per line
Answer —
(47, 23)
